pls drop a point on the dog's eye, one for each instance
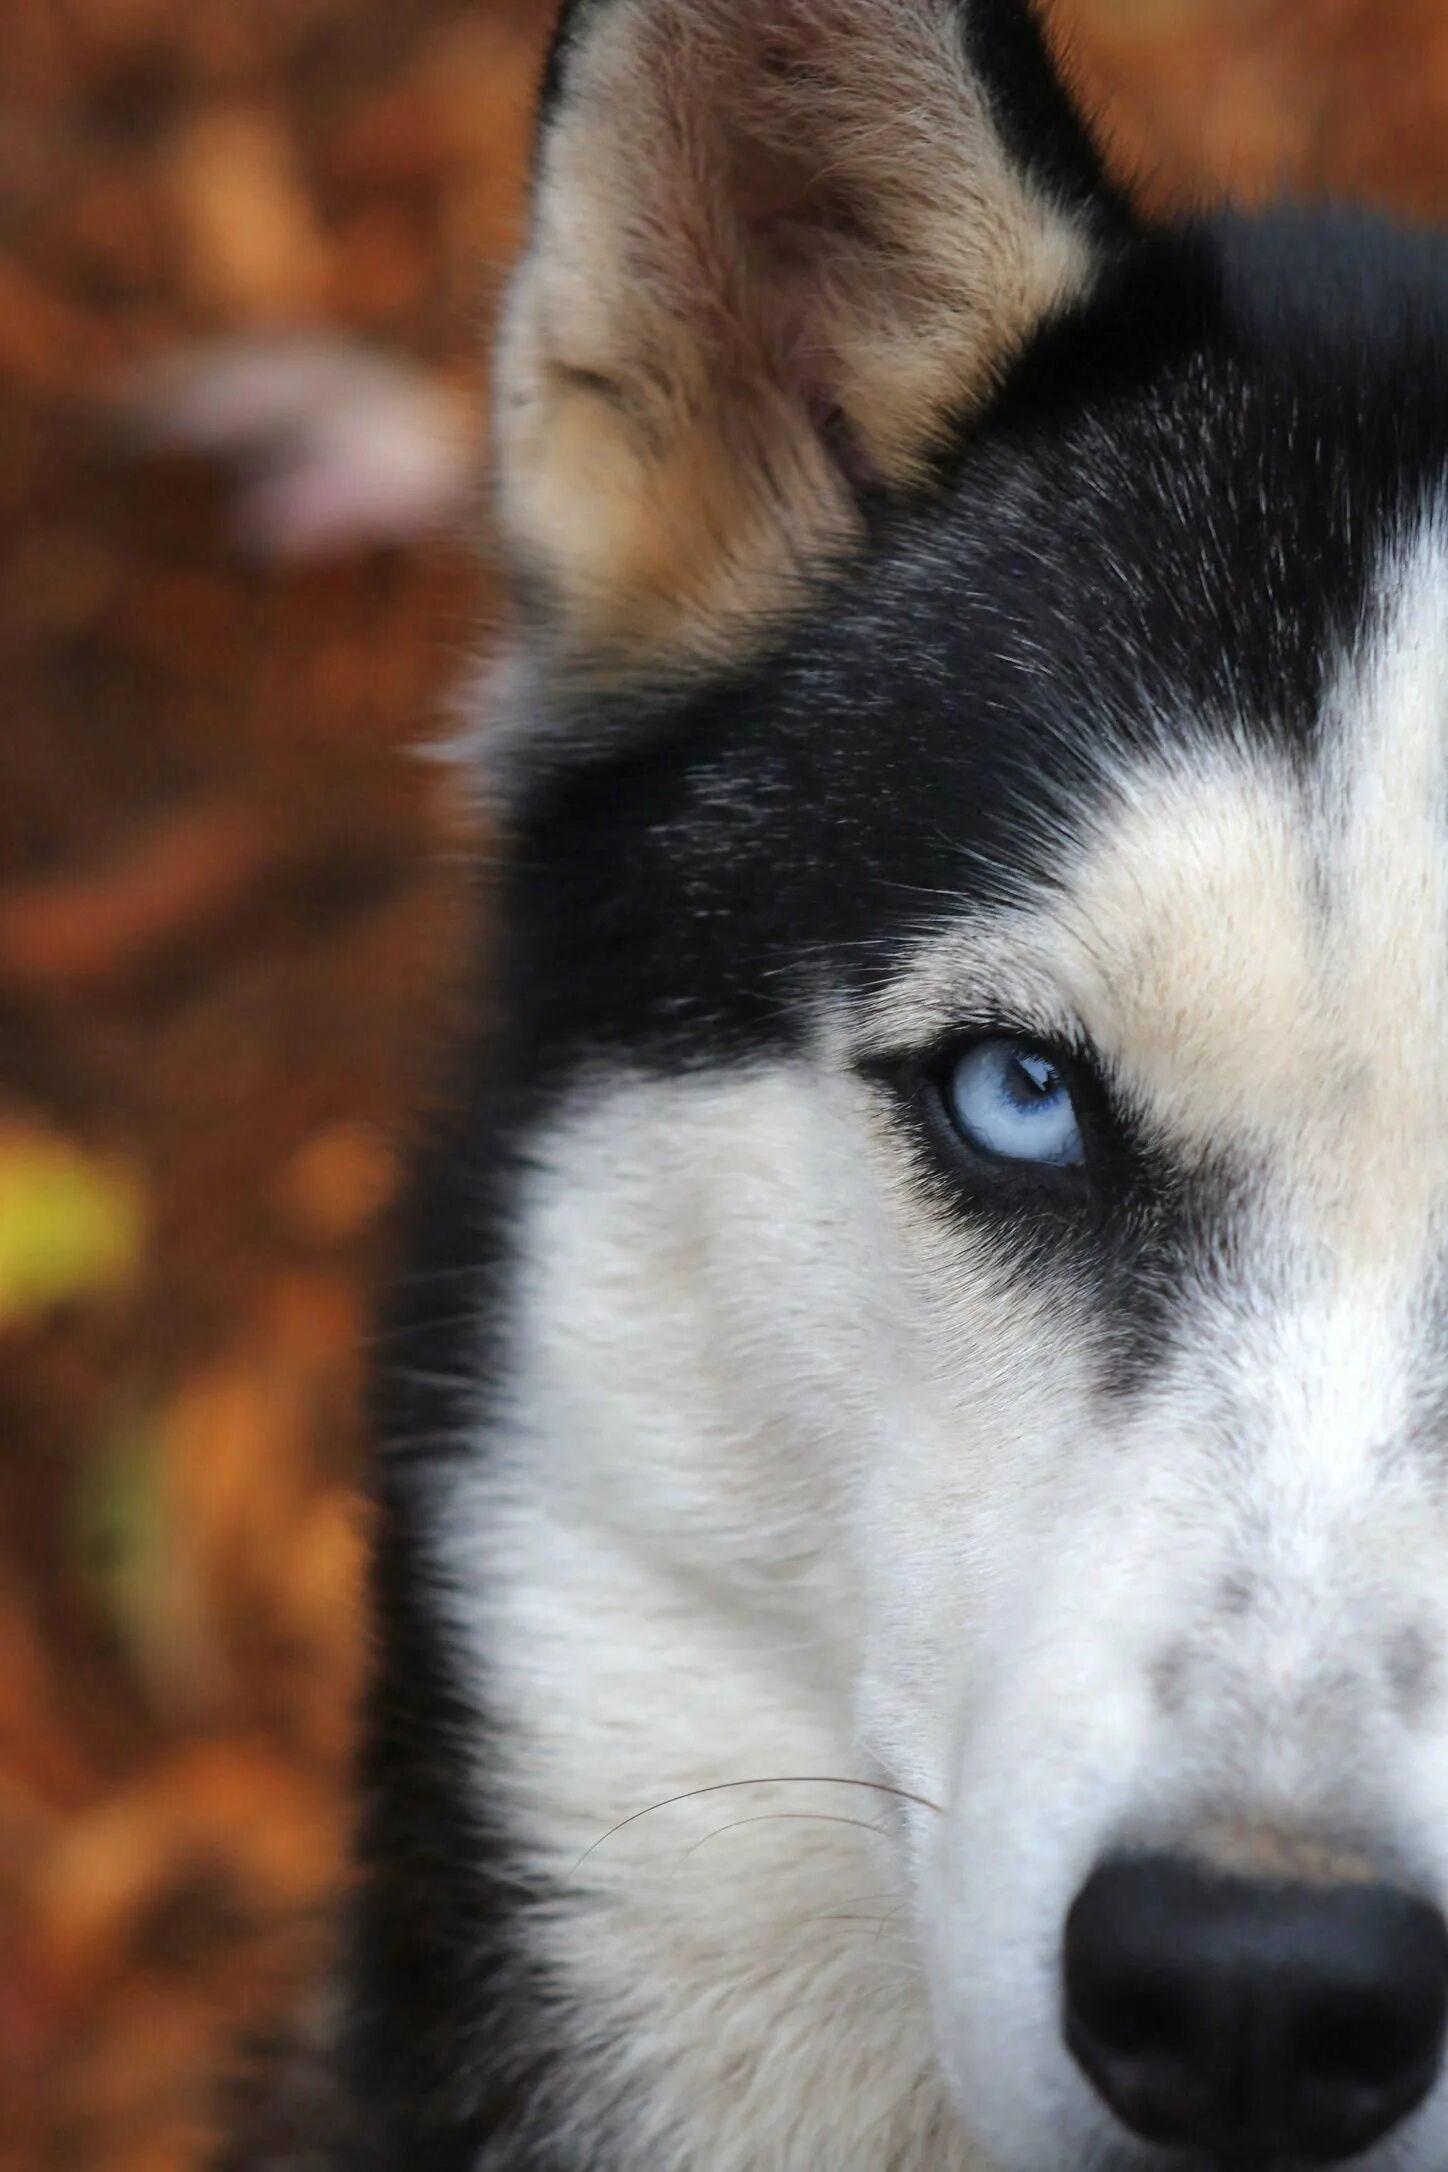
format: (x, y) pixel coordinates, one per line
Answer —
(1010, 1099)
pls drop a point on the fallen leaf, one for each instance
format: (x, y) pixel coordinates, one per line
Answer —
(71, 1224)
(245, 220)
(339, 1183)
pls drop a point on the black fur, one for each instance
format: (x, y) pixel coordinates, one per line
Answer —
(464, 2054)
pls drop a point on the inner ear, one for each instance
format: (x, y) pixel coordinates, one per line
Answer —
(781, 248)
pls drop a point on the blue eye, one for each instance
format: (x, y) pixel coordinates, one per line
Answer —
(1009, 1099)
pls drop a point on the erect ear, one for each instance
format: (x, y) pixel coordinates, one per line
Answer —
(779, 248)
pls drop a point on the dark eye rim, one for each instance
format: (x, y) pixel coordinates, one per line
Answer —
(918, 1083)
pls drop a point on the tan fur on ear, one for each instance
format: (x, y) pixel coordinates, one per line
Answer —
(778, 245)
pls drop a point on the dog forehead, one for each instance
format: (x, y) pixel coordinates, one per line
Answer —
(1261, 925)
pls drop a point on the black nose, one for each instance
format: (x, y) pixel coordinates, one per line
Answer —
(1254, 2022)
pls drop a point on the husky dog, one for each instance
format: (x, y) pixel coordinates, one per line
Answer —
(912, 1577)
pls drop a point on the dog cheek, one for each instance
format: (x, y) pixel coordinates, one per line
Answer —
(1013, 1682)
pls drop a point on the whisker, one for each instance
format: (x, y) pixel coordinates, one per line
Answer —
(858, 1900)
(836, 1917)
(783, 1779)
(893, 1916)
(895, 1989)
(780, 1817)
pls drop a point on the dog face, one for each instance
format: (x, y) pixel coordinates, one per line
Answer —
(977, 953)
(1157, 1567)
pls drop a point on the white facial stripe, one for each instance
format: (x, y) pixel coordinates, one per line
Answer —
(1383, 826)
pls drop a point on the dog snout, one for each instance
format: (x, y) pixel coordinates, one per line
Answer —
(1254, 2020)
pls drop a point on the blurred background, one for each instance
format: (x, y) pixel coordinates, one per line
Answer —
(247, 254)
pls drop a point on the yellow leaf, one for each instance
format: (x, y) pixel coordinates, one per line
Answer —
(71, 1224)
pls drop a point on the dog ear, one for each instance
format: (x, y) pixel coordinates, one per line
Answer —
(779, 249)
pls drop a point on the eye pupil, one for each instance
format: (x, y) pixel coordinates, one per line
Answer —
(1010, 1101)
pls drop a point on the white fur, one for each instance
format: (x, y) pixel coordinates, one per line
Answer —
(787, 1480)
